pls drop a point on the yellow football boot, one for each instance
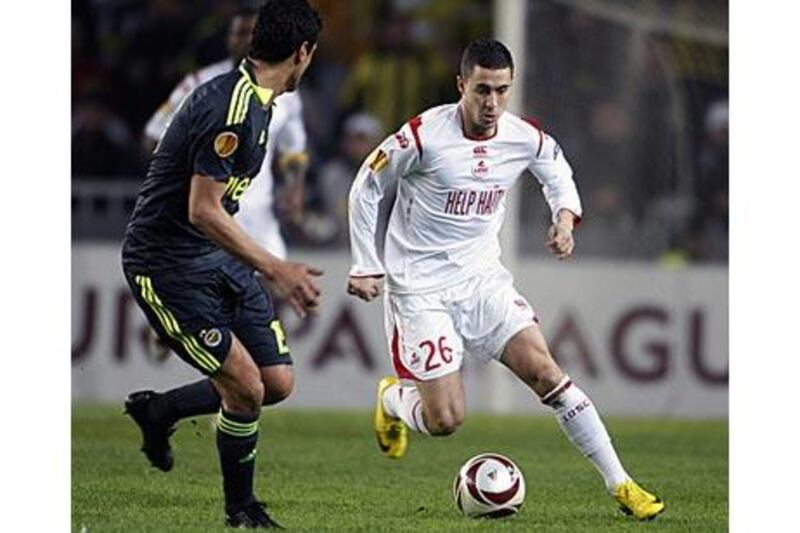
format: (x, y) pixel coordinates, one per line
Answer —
(391, 433)
(636, 501)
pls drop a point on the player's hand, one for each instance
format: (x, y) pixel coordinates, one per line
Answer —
(560, 240)
(295, 283)
(367, 288)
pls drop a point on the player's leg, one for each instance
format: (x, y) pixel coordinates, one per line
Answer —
(242, 393)
(426, 353)
(185, 316)
(201, 397)
(434, 407)
(278, 383)
(527, 356)
(262, 333)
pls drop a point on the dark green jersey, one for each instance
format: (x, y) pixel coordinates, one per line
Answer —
(220, 132)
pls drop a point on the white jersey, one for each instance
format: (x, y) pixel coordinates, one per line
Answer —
(451, 197)
(286, 137)
(158, 123)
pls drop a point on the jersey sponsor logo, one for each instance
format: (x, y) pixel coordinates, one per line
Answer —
(402, 140)
(212, 337)
(226, 143)
(378, 161)
(481, 170)
(236, 186)
(471, 202)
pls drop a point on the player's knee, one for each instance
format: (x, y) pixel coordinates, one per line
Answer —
(445, 421)
(248, 396)
(541, 371)
(548, 375)
(278, 385)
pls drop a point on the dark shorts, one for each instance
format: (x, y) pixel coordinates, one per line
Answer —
(196, 314)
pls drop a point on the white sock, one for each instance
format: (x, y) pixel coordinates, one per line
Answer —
(403, 402)
(578, 418)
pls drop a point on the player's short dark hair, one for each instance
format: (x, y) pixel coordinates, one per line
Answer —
(486, 53)
(282, 27)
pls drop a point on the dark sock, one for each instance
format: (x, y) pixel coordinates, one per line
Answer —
(194, 399)
(237, 436)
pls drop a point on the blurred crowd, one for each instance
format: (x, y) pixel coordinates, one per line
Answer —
(641, 107)
(378, 64)
(644, 120)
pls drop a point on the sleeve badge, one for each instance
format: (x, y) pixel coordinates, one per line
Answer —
(378, 161)
(226, 143)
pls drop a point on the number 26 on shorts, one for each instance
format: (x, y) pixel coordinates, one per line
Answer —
(440, 349)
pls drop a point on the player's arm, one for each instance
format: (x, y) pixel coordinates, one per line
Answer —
(393, 159)
(554, 173)
(293, 280)
(214, 145)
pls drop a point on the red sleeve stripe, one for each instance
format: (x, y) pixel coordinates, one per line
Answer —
(414, 124)
(541, 143)
(538, 125)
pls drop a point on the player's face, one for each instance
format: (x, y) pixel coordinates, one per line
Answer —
(302, 59)
(239, 36)
(485, 93)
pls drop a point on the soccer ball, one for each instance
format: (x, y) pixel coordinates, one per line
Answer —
(489, 485)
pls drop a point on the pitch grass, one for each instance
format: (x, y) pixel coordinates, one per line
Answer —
(321, 471)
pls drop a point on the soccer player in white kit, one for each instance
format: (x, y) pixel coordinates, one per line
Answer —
(286, 140)
(446, 290)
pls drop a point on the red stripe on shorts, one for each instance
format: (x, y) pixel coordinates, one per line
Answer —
(399, 368)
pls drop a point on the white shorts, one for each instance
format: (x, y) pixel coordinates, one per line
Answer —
(428, 333)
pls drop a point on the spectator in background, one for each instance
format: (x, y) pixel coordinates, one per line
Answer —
(240, 28)
(361, 132)
(396, 78)
(709, 226)
(152, 57)
(102, 146)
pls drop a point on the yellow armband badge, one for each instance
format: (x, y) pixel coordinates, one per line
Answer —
(226, 143)
(378, 161)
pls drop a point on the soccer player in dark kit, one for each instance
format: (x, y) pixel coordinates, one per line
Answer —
(192, 268)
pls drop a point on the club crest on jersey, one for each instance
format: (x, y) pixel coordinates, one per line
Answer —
(226, 143)
(480, 170)
(378, 161)
(402, 140)
(212, 337)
